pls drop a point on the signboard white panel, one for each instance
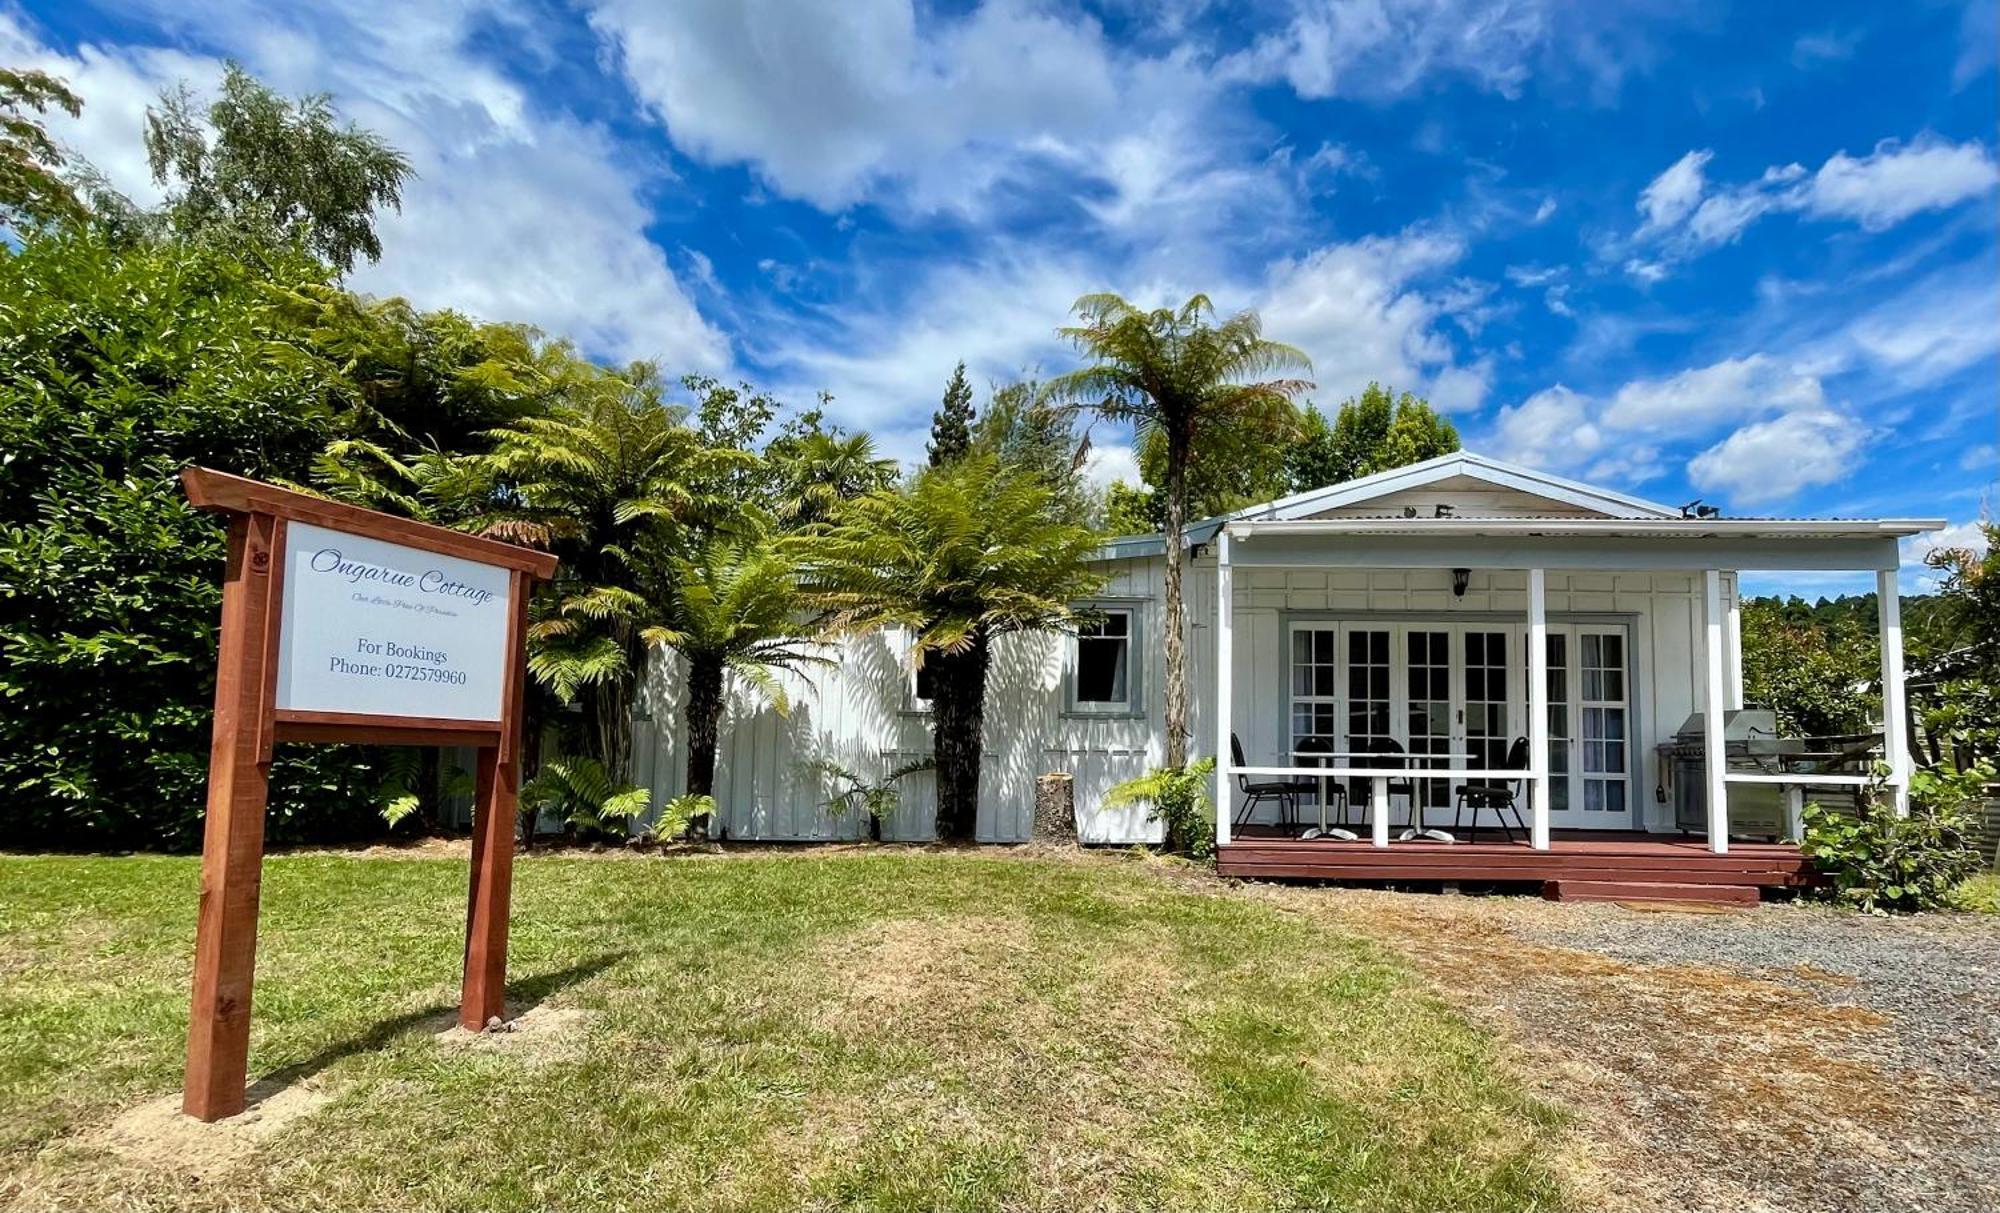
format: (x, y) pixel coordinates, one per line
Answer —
(387, 630)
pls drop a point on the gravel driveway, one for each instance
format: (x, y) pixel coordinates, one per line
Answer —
(1789, 1059)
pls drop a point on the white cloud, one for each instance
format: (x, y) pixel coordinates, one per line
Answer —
(1682, 216)
(1934, 328)
(475, 230)
(1552, 428)
(1702, 397)
(1671, 196)
(877, 101)
(1647, 272)
(1722, 216)
(116, 85)
(1917, 575)
(824, 100)
(885, 356)
(1826, 46)
(1771, 460)
(476, 235)
(1558, 429)
(1106, 464)
(1379, 49)
(1462, 389)
(1894, 182)
(1769, 430)
(1533, 275)
(1361, 311)
(1967, 536)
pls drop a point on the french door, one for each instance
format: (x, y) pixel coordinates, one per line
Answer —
(1447, 689)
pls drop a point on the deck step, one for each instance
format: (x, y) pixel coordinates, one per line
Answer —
(1643, 890)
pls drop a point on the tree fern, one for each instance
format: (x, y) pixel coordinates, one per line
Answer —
(962, 555)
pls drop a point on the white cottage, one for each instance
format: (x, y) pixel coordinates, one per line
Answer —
(1424, 618)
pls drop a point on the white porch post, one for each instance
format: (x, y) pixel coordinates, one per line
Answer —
(1225, 656)
(1714, 760)
(1538, 708)
(1733, 690)
(1895, 709)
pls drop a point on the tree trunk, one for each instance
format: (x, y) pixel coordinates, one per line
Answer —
(704, 714)
(1055, 807)
(610, 707)
(430, 788)
(958, 719)
(1173, 628)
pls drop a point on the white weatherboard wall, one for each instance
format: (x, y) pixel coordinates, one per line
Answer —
(1664, 611)
(858, 713)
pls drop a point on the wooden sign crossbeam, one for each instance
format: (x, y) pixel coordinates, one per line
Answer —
(399, 613)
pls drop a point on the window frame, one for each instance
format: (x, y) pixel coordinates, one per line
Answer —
(905, 643)
(1133, 706)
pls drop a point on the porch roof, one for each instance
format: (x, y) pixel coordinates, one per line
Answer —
(1589, 543)
(1601, 516)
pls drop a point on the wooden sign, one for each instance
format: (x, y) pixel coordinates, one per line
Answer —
(341, 624)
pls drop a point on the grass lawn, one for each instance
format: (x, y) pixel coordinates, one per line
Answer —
(855, 1030)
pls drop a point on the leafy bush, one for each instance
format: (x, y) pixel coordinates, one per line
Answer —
(857, 795)
(684, 814)
(1179, 796)
(1880, 862)
(578, 792)
(119, 366)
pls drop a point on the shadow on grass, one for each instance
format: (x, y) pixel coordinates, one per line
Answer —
(523, 995)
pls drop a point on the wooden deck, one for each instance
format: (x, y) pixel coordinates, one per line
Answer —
(1580, 864)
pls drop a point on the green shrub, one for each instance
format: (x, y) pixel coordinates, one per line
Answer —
(1179, 796)
(119, 366)
(1978, 895)
(853, 793)
(1877, 861)
(579, 793)
(688, 814)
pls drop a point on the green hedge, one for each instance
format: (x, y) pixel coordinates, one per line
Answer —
(119, 366)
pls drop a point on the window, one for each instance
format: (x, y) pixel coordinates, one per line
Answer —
(1104, 676)
(921, 684)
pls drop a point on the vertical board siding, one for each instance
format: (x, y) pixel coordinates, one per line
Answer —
(856, 712)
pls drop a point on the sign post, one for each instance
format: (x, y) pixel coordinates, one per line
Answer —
(341, 624)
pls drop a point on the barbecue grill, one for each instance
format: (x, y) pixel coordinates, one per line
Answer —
(1751, 743)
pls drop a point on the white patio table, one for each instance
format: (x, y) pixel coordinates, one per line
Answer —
(1381, 786)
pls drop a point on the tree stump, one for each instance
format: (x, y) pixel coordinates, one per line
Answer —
(1055, 807)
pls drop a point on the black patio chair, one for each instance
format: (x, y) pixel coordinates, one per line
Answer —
(1502, 796)
(1286, 792)
(1334, 789)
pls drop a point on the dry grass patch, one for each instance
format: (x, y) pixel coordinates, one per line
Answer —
(1765, 1082)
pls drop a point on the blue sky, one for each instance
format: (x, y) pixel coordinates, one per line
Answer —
(1739, 252)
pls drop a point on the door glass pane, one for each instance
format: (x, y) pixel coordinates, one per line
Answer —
(1560, 738)
(1488, 723)
(1315, 710)
(1605, 752)
(1368, 701)
(1427, 681)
